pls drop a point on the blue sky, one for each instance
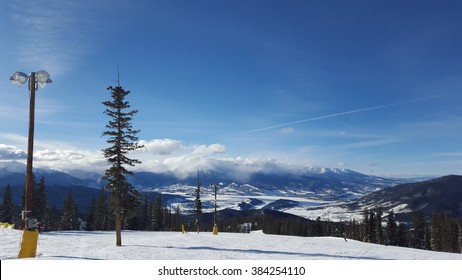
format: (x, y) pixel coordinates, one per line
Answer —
(373, 86)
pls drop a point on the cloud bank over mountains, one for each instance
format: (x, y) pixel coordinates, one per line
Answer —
(8, 152)
(157, 155)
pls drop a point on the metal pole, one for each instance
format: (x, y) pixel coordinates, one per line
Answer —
(30, 150)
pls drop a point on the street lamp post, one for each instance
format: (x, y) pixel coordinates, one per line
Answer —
(29, 240)
(41, 78)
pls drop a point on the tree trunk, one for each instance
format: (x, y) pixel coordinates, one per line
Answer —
(118, 222)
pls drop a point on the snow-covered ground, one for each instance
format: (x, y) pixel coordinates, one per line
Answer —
(156, 255)
(73, 245)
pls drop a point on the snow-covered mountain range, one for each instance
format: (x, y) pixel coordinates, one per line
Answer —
(315, 182)
(282, 190)
(13, 173)
(329, 193)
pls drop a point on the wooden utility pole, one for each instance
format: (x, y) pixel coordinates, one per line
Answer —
(30, 151)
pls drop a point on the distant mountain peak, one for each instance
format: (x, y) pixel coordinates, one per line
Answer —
(13, 166)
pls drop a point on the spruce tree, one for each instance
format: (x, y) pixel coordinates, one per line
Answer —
(122, 139)
(101, 218)
(428, 238)
(90, 221)
(365, 227)
(378, 226)
(459, 239)
(198, 204)
(6, 213)
(317, 227)
(444, 231)
(156, 216)
(392, 229)
(144, 214)
(178, 220)
(168, 218)
(70, 217)
(372, 227)
(437, 232)
(450, 234)
(353, 230)
(53, 219)
(39, 200)
(418, 233)
(401, 237)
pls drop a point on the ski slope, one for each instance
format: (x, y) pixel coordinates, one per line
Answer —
(75, 245)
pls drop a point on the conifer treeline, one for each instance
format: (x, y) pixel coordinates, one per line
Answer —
(441, 233)
(149, 215)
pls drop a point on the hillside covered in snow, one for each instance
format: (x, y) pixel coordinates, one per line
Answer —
(137, 245)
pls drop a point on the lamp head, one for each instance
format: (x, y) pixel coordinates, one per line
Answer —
(19, 78)
(43, 78)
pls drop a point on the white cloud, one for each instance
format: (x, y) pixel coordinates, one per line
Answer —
(8, 152)
(161, 146)
(237, 167)
(70, 160)
(186, 165)
(176, 157)
(51, 154)
(169, 155)
(158, 155)
(209, 150)
(243, 167)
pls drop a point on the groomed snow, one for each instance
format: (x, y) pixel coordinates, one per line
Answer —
(74, 245)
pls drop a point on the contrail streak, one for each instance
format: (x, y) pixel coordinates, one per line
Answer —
(334, 115)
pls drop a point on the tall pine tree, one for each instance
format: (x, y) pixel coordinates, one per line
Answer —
(156, 215)
(39, 200)
(90, 221)
(365, 227)
(392, 229)
(459, 239)
(101, 218)
(378, 226)
(198, 204)
(417, 238)
(177, 220)
(6, 213)
(372, 227)
(122, 139)
(70, 217)
(444, 232)
(144, 214)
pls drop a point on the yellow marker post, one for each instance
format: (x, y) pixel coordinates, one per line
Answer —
(215, 229)
(28, 244)
(182, 229)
